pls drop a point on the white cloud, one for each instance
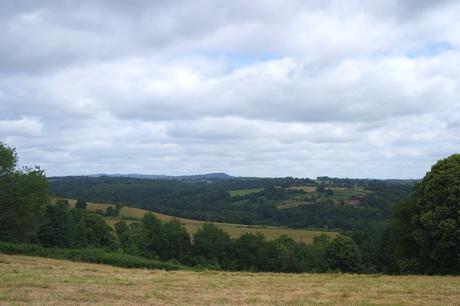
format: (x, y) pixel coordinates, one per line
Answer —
(276, 88)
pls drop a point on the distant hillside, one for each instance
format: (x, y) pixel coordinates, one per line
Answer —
(345, 204)
(195, 177)
(132, 214)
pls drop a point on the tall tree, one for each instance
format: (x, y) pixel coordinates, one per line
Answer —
(81, 204)
(426, 229)
(151, 228)
(93, 231)
(59, 227)
(23, 198)
(343, 254)
(211, 243)
(175, 241)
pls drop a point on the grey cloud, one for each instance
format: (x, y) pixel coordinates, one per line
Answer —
(328, 88)
(280, 90)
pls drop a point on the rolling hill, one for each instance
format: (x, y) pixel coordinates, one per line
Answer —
(235, 230)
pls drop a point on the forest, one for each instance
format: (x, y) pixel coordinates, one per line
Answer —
(213, 200)
(392, 227)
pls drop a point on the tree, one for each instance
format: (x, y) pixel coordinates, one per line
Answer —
(117, 210)
(426, 228)
(59, 227)
(174, 241)
(62, 202)
(211, 243)
(8, 159)
(151, 227)
(113, 211)
(23, 198)
(321, 189)
(92, 230)
(110, 211)
(343, 254)
(81, 204)
(133, 240)
(250, 252)
(121, 227)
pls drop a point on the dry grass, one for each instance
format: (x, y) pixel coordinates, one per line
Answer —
(39, 281)
(304, 188)
(234, 230)
(312, 196)
(241, 192)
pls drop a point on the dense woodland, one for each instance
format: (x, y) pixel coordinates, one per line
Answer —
(391, 230)
(211, 200)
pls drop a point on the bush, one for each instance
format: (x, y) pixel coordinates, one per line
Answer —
(99, 256)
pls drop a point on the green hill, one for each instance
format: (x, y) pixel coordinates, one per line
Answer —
(235, 230)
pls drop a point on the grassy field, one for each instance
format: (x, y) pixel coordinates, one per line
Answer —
(41, 281)
(312, 196)
(234, 230)
(241, 192)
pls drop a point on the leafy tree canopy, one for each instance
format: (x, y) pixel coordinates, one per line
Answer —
(426, 229)
(23, 197)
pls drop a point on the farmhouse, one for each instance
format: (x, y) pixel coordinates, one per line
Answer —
(352, 202)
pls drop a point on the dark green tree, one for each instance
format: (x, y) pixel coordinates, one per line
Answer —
(62, 202)
(425, 233)
(23, 198)
(321, 189)
(133, 240)
(81, 204)
(121, 227)
(78, 214)
(343, 254)
(117, 210)
(174, 242)
(59, 227)
(211, 243)
(93, 231)
(151, 227)
(250, 252)
(8, 159)
(110, 211)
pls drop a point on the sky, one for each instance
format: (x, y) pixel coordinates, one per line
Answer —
(363, 89)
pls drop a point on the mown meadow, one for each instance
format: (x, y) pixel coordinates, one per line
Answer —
(42, 281)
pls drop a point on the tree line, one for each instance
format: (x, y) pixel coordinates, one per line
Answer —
(209, 247)
(422, 237)
(212, 201)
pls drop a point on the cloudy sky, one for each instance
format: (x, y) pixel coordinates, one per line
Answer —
(251, 88)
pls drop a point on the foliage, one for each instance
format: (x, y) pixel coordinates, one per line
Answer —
(23, 197)
(426, 229)
(343, 254)
(113, 212)
(174, 241)
(93, 231)
(423, 237)
(121, 227)
(89, 255)
(59, 229)
(81, 204)
(211, 243)
(8, 159)
(213, 201)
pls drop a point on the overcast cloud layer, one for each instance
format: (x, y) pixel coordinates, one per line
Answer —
(251, 88)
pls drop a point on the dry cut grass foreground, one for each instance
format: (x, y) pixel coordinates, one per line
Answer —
(39, 281)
